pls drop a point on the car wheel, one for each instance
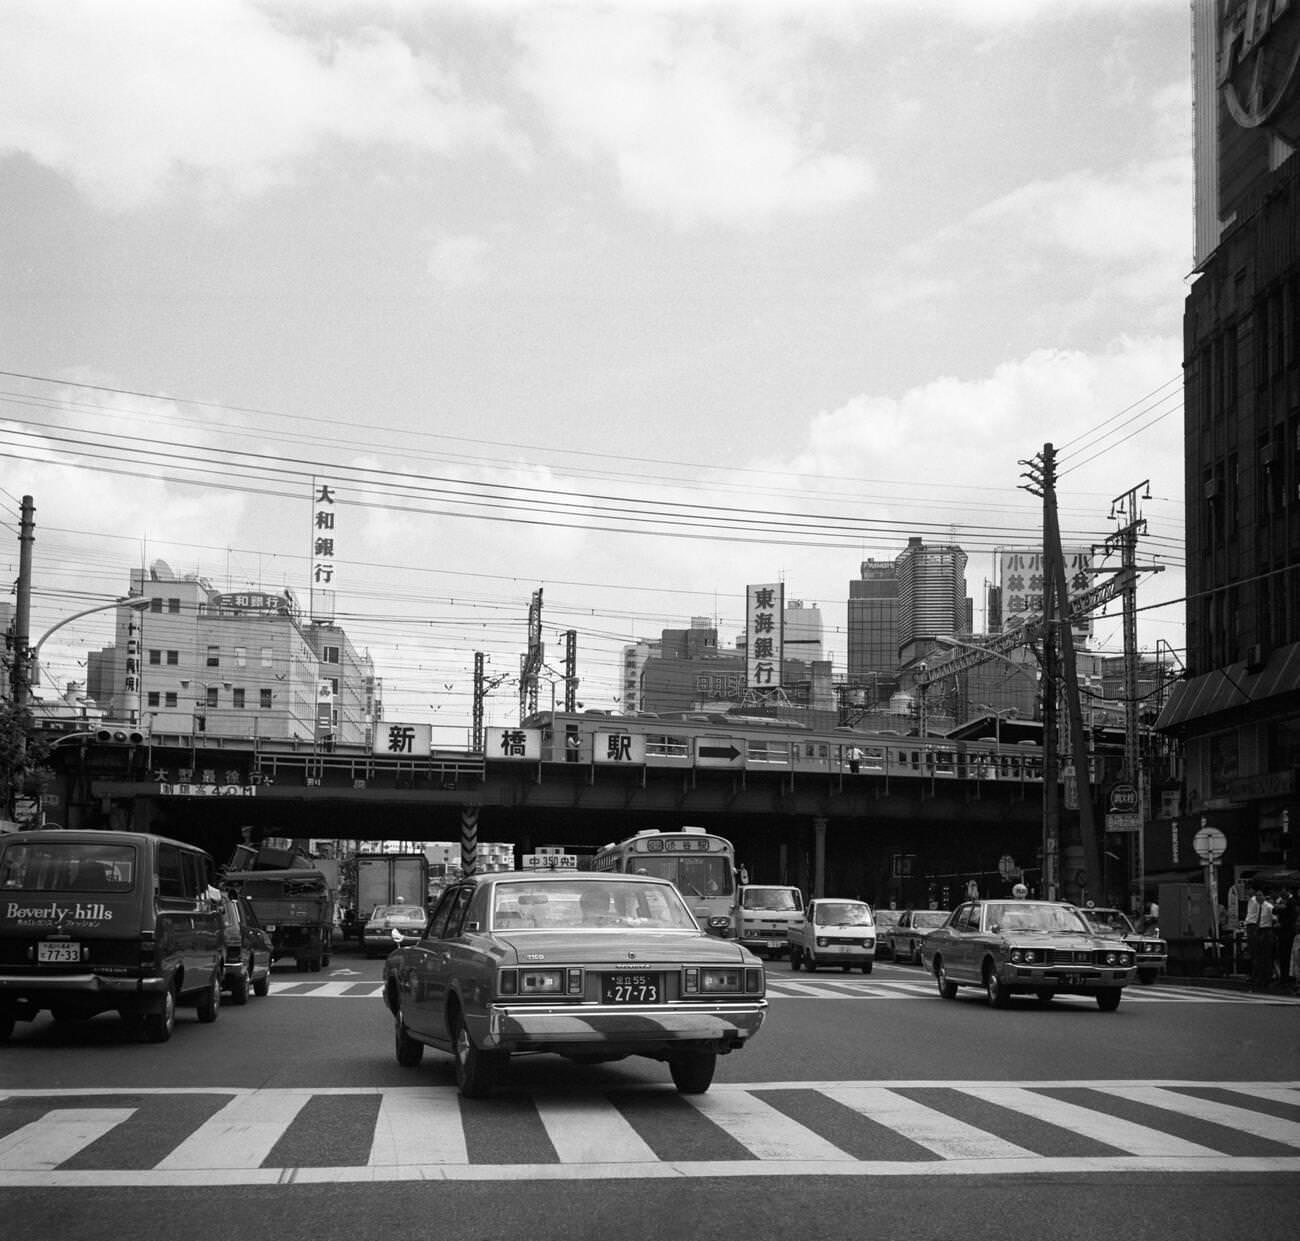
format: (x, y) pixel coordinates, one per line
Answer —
(993, 989)
(916, 955)
(476, 1071)
(262, 986)
(1147, 977)
(1044, 997)
(1108, 999)
(409, 1052)
(866, 969)
(239, 985)
(846, 968)
(693, 1071)
(795, 959)
(210, 1001)
(947, 988)
(6, 1026)
(157, 1027)
(809, 962)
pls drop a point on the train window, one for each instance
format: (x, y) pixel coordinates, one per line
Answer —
(662, 745)
(765, 751)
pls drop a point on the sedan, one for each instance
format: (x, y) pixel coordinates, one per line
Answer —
(886, 919)
(390, 924)
(592, 967)
(906, 935)
(1038, 948)
(248, 950)
(1152, 951)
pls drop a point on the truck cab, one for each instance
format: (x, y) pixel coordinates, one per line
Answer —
(764, 915)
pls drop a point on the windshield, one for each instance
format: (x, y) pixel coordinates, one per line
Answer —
(72, 866)
(694, 876)
(1109, 920)
(587, 903)
(928, 919)
(843, 913)
(777, 900)
(1056, 919)
(398, 911)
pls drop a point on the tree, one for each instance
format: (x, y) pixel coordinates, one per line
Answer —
(24, 757)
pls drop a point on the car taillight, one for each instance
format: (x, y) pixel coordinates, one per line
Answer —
(541, 982)
(714, 979)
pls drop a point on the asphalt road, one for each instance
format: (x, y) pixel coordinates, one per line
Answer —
(866, 1107)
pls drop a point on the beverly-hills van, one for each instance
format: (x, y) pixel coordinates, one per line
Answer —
(101, 921)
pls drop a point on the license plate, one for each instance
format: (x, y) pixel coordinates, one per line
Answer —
(631, 988)
(57, 954)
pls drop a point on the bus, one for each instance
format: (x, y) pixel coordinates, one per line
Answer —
(701, 865)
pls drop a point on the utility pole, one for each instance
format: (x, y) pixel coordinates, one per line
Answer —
(21, 667)
(1060, 666)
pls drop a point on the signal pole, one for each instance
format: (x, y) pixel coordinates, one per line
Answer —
(21, 673)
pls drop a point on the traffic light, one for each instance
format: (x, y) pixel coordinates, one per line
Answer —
(119, 736)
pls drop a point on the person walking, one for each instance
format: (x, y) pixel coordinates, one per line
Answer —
(1284, 910)
(1261, 974)
(1251, 923)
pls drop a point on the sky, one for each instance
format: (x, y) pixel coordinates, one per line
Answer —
(631, 303)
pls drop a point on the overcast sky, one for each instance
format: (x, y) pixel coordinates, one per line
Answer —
(636, 303)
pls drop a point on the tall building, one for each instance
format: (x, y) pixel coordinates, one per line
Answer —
(932, 598)
(1238, 710)
(232, 664)
(634, 659)
(872, 623)
(803, 631)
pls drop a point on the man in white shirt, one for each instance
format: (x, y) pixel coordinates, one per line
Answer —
(1261, 971)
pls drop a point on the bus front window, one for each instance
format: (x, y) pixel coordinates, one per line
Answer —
(704, 876)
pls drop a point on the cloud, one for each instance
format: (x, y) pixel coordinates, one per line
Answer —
(130, 100)
(708, 120)
(457, 262)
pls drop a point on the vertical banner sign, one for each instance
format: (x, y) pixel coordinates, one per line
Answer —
(131, 705)
(764, 635)
(1021, 572)
(469, 839)
(322, 550)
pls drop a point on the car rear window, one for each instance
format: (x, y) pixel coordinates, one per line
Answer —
(67, 866)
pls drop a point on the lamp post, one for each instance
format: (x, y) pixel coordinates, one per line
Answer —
(30, 661)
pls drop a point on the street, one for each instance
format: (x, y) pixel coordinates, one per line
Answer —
(863, 1099)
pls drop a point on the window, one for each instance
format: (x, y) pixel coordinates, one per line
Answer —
(173, 658)
(241, 656)
(330, 654)
(173, 605)
(169, 698)
(212, 696)
(333, 683)
(214, 657)
(155, 605)
(155, 657)
(154, 698)
(264, 699)
(237, 699)
(266, 657)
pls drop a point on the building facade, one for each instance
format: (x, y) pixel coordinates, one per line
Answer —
(872, 624)
(932, 600)
(1238, 710)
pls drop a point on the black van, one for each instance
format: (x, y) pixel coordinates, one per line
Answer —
(95, 921)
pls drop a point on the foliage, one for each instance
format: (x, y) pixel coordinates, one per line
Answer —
(24, 756)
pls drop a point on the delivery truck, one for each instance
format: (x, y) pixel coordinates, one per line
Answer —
(384, 878)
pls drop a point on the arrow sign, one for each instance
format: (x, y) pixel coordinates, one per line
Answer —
(717, 752)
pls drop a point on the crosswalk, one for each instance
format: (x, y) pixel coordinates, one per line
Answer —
(208, 1136)
(844, 987)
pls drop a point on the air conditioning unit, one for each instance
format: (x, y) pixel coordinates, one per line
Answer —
(1254, 658)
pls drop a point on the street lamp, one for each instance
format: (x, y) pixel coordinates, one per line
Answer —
(32, 660)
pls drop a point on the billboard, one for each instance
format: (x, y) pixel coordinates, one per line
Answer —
(764, 635)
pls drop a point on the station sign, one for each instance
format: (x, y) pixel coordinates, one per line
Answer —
(619, 749)
(403, 740)
(513, 744)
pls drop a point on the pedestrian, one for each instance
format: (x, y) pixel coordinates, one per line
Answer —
(1284, 910)
(1251, 923)
(855, 760)
(1261, 974)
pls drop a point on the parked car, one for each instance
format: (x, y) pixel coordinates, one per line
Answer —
(1152, 951)
(915, 924)
(885, 919)
(834, 931)
(248, 950)
(409, 921)
(593, 967)
(94, 921)
(1039, 948)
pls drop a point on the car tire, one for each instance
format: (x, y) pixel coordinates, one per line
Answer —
(994, 991)
(239, 987)
(947, 988)
(795, 959)
(693, 1071)
(409, 1052)
(809, 963)
(157, 1027)
(6, 1026)
(477, 1072)
(209, 1003)
(1108, 998)
(1044, 997)
(916, 955)
(262, 986)
(866, 969)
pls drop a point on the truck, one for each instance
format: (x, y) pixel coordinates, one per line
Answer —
(294, 907)
(764, 914)
(381, 878)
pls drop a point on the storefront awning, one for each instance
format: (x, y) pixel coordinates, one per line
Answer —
(1232, 688)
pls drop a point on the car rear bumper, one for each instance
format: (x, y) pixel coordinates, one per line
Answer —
(518, 1027)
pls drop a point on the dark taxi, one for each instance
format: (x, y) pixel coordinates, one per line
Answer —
(1025, 947)
(592, 967)
(1151, 951)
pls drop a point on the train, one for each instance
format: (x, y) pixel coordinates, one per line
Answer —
(764, 744)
